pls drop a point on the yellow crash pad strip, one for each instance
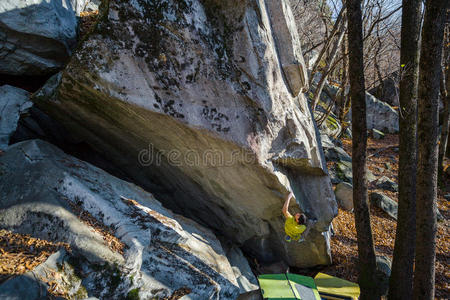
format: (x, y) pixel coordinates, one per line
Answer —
(331, 285)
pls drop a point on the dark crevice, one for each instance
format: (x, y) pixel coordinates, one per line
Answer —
(28, 83)
(37, 125)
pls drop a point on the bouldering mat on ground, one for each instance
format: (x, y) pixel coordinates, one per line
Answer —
(288, 286)
(275, 286)
(304, 286)
(331, 287)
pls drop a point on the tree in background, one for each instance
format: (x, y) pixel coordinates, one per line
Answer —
(321, 26)
(401, 280)
(366, 252)
(428, 102)
(381, 30)
(445, 90)
(330, 65)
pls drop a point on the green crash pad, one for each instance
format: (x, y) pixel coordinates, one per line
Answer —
(288, 286)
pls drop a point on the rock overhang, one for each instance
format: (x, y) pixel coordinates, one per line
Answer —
(187, 81)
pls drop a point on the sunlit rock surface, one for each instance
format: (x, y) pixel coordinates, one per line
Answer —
(199, 101)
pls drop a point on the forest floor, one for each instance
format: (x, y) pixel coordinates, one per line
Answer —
(343, 243)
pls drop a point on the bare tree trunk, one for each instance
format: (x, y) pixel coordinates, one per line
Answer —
(380, 90)
(447, 74)
(445, 124)
(344, 102)
(401, 280)
(366, 252)
(445, 87)
(430, 63)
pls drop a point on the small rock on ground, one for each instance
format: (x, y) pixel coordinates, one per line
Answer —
(384, 203)
(344, 195)
(385, 183)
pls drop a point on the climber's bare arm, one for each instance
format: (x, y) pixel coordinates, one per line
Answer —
(286, 205)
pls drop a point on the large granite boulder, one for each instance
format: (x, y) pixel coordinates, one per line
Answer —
(380, 115)
(389, 206)
(13, 103)
(121, 238)
(288, 45)
(197, 103)
(36, 36)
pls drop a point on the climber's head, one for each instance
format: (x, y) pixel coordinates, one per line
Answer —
(300, 218)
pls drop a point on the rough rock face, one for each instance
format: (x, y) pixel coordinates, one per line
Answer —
(51, 195)
(13, 102)
(36, 36)
(288, 46)
(199, 91)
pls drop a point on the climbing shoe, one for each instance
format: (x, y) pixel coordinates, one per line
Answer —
(288, 239)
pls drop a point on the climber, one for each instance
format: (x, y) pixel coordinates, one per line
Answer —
(295, 226)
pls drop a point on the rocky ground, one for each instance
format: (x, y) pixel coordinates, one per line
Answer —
(343, 244)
